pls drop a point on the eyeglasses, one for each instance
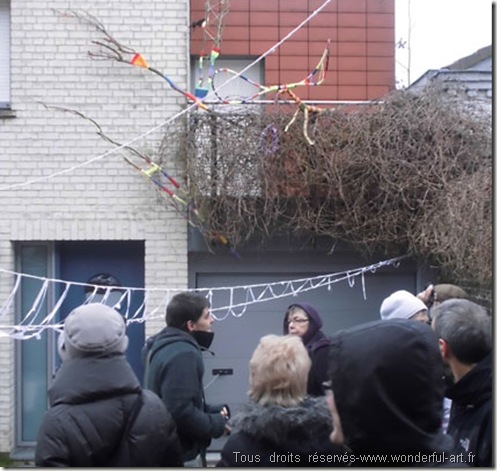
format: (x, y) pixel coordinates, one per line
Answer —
(296, 321)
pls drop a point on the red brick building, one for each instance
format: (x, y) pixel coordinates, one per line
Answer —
(361, 34)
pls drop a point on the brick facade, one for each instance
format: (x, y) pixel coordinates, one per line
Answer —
(362, 34)
(104, 199)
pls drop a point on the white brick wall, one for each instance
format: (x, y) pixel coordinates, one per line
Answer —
(105, 199)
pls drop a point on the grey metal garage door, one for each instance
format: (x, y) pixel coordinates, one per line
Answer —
(235, 338)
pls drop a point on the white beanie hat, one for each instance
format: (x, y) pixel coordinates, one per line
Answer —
(92, 329)
(401, 305)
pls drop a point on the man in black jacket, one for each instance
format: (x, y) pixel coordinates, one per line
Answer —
(464, 330)
(174, 370)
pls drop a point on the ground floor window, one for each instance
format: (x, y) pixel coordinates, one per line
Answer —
(33, 356)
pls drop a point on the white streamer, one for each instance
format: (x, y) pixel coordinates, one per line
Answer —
(31, 326)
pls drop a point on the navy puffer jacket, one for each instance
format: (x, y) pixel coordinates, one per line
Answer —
(90, 399)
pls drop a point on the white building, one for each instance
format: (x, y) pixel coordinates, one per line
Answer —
(68, 200)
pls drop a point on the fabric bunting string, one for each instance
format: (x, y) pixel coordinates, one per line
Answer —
(141, 304)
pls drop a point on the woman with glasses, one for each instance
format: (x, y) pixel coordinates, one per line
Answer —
(304, 321)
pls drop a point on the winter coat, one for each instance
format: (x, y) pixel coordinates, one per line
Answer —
(276, 436)
(174, 371)
(470, 421)
(317, 344)
(90, 399)
(387, 381)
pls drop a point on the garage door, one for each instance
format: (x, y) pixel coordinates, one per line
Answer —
(237, 334)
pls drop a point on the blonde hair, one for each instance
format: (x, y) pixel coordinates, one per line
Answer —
(279, 368)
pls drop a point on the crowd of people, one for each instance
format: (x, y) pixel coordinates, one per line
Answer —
(413, 388)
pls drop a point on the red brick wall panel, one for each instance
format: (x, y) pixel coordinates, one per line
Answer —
(300, 35)
(236, 48)
(262, 5)
(379, 49)
(290, 19)
(293, 5)
(324, 18)
(317, 35)
(315, 4)
(381, 6)
(239, 18)
(345, 64)
(354, 20)
(350, 49)
(351, 34)
(385, 35)
(379, 64)
(317, 48)
(272, 75)
(294, 48)
(353, 92)
(380, 78)
(379, 20)
(239, 5)
(351, 6)
(261, 18)
(240, 33)
(325, 92)
(351, 78)
(362, 34)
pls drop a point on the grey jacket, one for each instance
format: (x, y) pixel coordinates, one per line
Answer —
(282, 437)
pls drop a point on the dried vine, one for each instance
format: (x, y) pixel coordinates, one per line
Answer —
(411, 174)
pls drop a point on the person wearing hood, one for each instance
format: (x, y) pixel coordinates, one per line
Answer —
(280, 426)
(174, 370)
(99, 416)
(304, 321)
(464, 330)
(384, 400)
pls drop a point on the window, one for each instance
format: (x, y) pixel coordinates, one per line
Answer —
(236, 88)
(215, 167)
(33, 358)
(4, 54)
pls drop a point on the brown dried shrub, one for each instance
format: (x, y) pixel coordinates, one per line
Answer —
(411, 174)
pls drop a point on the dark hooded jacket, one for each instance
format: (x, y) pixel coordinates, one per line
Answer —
(174, 369)
(297, 436)
(317, 344)
(387, 382)
(90, 400)
(470, 421)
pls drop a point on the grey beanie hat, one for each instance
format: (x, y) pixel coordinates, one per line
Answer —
(92, 329)
(401, 305)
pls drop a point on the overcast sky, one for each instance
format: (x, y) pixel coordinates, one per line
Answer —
(441, 32)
